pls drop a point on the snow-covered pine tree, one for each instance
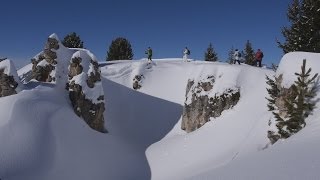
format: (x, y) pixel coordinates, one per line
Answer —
(311, 20)
(273, 92)
(248, 53)
(304, 32)
(210, 54)
(120, 49)
(299, 103)
(300, 106)
(72, 40)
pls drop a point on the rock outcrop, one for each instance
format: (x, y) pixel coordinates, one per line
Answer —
(203, 103)
(44, 63)
(137, 82)
(77, 71)
(9, 81)
(85, 90)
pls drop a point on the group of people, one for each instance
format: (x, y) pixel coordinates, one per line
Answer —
(257, 58)
(237, 56)
(186, 53)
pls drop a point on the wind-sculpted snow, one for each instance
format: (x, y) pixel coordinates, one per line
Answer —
(42, 138)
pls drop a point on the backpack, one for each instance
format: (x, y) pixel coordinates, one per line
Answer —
(188, 52)
(239, 54)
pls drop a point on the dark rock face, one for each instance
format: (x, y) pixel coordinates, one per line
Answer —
(203, 107)
(7, 84)
(90, 111)
(95, 75)
(137, 82)
(41, 70)
(75, 67)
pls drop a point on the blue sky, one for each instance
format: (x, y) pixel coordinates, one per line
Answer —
(165, 25)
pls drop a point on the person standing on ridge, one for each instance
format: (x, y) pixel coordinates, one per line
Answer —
(149, 53)
(258, 58)
(236, 56)
(186, 52)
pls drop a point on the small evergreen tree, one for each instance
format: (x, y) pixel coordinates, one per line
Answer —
(298, 104)
(303, 34)
(231, 55)
(72, 40)
(273, 92)
(210, 54)
(120, 49)
(248, 53)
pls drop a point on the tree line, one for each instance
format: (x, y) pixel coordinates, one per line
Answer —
(121, 49)
(303, 34)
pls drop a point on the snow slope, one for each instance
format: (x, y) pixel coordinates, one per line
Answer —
(42, 138)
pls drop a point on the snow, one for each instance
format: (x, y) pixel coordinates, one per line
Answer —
(223, 77)
(43, 63)
(42, 138)
(63, 60)
(291, 63)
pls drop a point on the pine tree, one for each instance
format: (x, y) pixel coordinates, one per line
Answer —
(72, 40)
(273, 92)
(231, 55)
(304, 32)
(299, 104)
(249, 53)
(120, 49)
(210, 54)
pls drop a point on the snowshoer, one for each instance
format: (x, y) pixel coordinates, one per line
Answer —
(149, 53)
(258, 57)
(236, 56)
(186, 52)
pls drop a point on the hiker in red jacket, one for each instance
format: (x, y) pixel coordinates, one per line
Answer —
(258, 57)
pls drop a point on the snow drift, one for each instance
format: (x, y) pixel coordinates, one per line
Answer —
(41, 137)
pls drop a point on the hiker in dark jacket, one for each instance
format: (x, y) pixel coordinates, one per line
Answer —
(149, 53)
(258, 58)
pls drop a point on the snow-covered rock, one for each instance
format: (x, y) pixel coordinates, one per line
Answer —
(85, 90)
(51, 65)
(9, 81)
(202, 106)
(76, 70)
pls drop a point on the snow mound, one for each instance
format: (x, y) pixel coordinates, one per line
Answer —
(41, 137)
(291, 63)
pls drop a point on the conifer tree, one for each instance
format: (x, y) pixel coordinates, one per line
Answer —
(120, 49)
(210, 54)
(299, 104)
(303, 34)
(273, 92)
(72, 40)
(249, 53)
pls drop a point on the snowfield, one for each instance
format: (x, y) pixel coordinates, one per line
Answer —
(42, 138)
